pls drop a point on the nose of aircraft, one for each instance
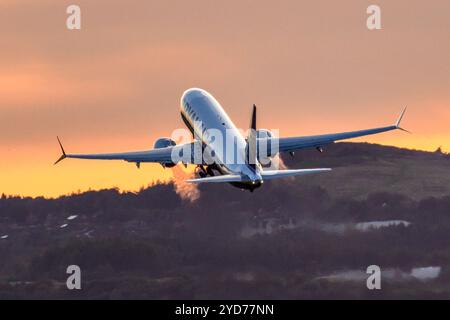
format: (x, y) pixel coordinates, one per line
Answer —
(192, 93)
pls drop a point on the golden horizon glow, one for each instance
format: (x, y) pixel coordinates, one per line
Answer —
(42, 178)
(115, 85)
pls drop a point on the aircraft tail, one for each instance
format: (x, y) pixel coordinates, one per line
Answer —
(251, 149)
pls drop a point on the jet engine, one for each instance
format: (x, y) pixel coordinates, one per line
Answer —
(164, 143)
(263, 156)
(263, 133)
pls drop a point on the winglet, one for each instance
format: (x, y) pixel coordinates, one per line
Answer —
(63, 156)
(399, 120)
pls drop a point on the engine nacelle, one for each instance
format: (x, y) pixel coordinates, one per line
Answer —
(263, 156)
(263, 133)
(164, 143)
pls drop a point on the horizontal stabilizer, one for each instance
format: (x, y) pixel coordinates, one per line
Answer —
(275, 174)
(224, 178)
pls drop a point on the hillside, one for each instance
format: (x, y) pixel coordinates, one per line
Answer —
(311, 237)
(360, 169)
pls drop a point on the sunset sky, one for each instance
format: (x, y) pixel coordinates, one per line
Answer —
(311, 67)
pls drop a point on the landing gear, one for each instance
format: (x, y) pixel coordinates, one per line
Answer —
(210, 171)
(202, 172)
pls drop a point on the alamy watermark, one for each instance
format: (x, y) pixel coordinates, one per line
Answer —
(74, 280)
(374, 280)
(73, 21)
(374, 19)
(214, 146)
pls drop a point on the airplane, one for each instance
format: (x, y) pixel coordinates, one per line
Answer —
(201, 112)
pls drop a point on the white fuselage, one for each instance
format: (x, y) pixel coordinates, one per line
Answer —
(205, 117)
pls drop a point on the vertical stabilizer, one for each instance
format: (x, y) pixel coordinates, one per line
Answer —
(252, 141)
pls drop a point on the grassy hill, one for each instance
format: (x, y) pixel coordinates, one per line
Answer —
(360, 169)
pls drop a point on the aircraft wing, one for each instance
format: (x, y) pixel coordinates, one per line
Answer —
(295, 143)
(162, 155)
